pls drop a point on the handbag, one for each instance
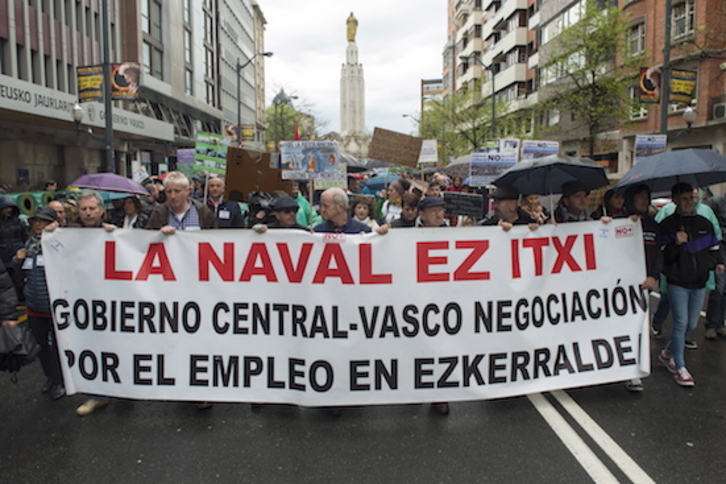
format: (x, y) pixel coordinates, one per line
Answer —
(17, 348)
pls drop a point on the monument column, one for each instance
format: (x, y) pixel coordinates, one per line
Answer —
(352, 103)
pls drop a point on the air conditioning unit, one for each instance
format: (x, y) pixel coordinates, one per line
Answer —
(719, 111)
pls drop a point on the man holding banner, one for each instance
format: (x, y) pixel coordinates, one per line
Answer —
(334, 210)
(180, 211)
(506, 213)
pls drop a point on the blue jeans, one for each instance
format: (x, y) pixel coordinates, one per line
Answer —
(686, 308)
(716, 309)
(661, 312)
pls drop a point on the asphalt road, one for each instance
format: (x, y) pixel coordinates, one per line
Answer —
(596, 434)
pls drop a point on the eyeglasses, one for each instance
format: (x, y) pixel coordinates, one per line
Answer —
(288, 210)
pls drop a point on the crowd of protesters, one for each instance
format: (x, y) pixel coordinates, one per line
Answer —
(683, 241)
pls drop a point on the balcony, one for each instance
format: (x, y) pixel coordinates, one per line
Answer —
(517, 37)
(510, 75)
(474, 45)
(533, 21)
(499, 19)
(533, 60)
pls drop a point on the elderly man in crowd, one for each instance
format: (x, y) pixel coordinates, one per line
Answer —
(90, 216)
(180, 211)
(91, 211)
(228, 213)
(506, 212)
(60, 212)
(334, 210)
(431, 212)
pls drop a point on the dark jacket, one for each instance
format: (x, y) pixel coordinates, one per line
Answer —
(35, 290)
(403, 223)
(276, 225)
(493, 218)
(687, 265)
(352, 226)
(651, 236)
(718, 205)
(228, 213)
(8, 297)
(160, 217)
(13, 231)
(141, 220)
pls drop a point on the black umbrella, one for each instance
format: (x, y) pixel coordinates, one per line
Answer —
(17, 348)
(546, 175)
(660, 172)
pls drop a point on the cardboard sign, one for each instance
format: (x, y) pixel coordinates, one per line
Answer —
(396, 148)
(250, 171)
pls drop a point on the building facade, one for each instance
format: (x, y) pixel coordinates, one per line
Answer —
(698, 44)
(182, 90)
(511, 37)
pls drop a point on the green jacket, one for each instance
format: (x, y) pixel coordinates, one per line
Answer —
(306, 216)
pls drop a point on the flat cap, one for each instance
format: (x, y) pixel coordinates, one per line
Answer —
(428, 202)
(505, 193)
(284, 202)
(45, 213)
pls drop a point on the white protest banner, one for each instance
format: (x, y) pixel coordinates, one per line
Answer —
(485, 167)
(416, 315)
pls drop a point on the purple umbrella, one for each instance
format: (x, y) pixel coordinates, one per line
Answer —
(109, 182)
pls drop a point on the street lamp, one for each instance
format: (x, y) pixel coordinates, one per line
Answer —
(239, 68)
(489, 68)
(77, 113)
(689, 116)
(415, 119)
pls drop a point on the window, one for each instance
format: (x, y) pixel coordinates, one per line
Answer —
(553, 117)
(189, 82)
(152, 60)
(153, 47)
(638, 111)
(187, 46)
(209, 62)
(636, 39)
(211, 98)
(151, 18)
(187, 11)
(682, 20)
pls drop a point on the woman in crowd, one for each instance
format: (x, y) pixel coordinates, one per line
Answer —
(392, 207)
(131, 215)
(362, 208)
(613, 205)
(456, 184)
(531, 206)
(30, 260)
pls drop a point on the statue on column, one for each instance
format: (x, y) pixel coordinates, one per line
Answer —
(352, 23)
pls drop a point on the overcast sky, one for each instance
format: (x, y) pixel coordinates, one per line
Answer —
(399, 43)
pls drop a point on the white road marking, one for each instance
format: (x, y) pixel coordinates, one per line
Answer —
(629, 467)
(577, 447)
